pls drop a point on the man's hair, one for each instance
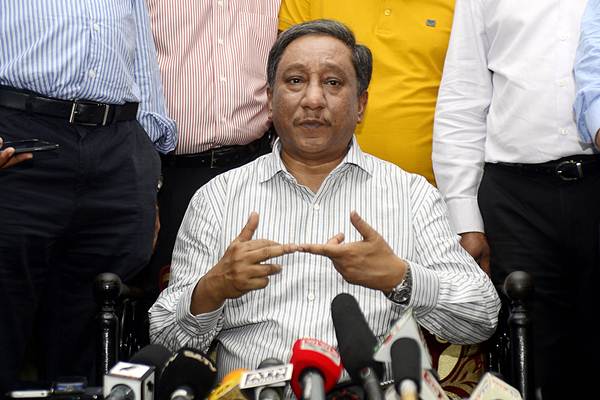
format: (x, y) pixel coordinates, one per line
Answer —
(361, 55)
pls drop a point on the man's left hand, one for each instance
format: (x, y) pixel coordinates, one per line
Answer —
(370, 262)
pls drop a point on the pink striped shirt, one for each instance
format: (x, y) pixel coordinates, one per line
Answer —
(212, 56)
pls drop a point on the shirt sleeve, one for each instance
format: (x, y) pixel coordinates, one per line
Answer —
(293, 12)
(196, 251)
(451, 296)
(459, 131)
(152, 113)
(587, 74)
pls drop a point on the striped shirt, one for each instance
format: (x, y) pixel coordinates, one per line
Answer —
(452, 297)
(212, 56)
(94, 50)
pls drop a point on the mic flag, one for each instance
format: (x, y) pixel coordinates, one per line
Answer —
(316, 365)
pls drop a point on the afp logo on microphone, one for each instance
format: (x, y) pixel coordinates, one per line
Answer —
(266, 376)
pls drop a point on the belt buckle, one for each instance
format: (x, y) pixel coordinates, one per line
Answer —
(75, 111)
(569, 163)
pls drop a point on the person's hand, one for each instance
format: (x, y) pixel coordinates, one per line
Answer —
(240, 270)
(598, 139)
(7, 157)
(475, 243)
(370, 262)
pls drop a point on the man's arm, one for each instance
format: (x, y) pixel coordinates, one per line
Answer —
(152, 113)
(587, 75)
(460, 126)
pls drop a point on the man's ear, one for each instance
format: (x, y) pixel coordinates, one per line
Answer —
(362, 105)
(270, 103)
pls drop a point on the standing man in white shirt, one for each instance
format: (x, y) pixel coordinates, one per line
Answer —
(515, 173)
(212, 56)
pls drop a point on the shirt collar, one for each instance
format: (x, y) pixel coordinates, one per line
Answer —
(354, 157)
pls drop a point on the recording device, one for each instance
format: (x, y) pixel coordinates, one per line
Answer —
(356, 343)
(490, 387)
(136, 379)
(29, 146)
(229, 388)
(269, 379)
(406, 368)
(187, 375)
(317, 367)
(31, 390)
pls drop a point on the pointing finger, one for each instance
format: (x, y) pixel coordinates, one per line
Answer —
(361, 226)
(249, 229)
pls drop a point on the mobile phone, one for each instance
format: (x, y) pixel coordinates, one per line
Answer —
(31, 390)
(30, 145)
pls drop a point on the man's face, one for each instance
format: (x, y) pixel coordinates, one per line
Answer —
(314, 103)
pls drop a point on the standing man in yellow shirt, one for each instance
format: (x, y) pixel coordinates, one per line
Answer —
(408, 40)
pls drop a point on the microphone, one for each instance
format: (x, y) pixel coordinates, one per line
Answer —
(490, 387)
(406, 368)
(356, 343)
(136, 379)
(269, 379)
(229, 388)
(317, 367)
(187, 375)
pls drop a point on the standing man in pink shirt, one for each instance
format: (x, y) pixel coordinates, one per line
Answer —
(212, 56)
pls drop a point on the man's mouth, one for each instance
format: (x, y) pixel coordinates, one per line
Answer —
(312, 123)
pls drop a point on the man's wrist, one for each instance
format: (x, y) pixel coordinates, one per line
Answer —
(401, 294)
(205, 298)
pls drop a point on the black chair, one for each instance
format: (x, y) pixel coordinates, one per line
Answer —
(123, 326)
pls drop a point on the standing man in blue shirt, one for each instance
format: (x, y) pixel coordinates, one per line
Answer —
(587, 75)
(83, 75)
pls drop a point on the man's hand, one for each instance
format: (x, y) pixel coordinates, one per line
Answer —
(370, 262)
(7, 157)
(240, 270)
(598, 139)
(475, 243)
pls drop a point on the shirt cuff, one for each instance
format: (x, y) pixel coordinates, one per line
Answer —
(425, 289)
(592, 120)
(192, 324)
(161, 130)
(465, 215)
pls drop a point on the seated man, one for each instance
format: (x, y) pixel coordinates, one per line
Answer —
(264, 248)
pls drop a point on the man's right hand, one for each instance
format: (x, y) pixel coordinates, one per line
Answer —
(475, 243)
(240, 270)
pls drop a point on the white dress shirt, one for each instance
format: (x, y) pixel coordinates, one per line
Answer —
(506, 95)
(452, 297)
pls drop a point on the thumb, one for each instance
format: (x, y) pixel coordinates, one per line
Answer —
(248, 230)
(361, 226)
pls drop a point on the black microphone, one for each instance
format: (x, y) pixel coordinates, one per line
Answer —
(356, 343)
(138, 378)
(188, 375)
(406, 367)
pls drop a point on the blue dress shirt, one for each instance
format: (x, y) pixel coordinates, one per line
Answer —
(95, 50)
(587, 73)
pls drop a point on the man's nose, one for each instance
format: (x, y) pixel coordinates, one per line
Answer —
(314, 96)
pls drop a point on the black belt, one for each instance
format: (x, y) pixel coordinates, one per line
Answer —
(77, 112)
(221, 157)
(570, 168)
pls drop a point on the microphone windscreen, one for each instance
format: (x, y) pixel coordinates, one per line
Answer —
(152, 355)
(317, 355)
(229, 387)
(406, 361)
(356, 341)
(187, 368)
(269, 362)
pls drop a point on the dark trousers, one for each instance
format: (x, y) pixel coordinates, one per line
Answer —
(182, 177)
(65, 216)
(551, 229)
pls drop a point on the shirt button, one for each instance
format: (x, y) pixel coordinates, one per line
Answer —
(562, 83)
(220, 41)
(92, 73)
(311, 296)
(563, 37)
(564, 131)
(220, 3)
(223, 79)
(96, 27)
(317, 207)
(387, 12)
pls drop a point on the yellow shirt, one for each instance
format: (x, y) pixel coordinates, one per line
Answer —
(408, 39)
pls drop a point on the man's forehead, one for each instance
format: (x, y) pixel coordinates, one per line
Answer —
(327, 49)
